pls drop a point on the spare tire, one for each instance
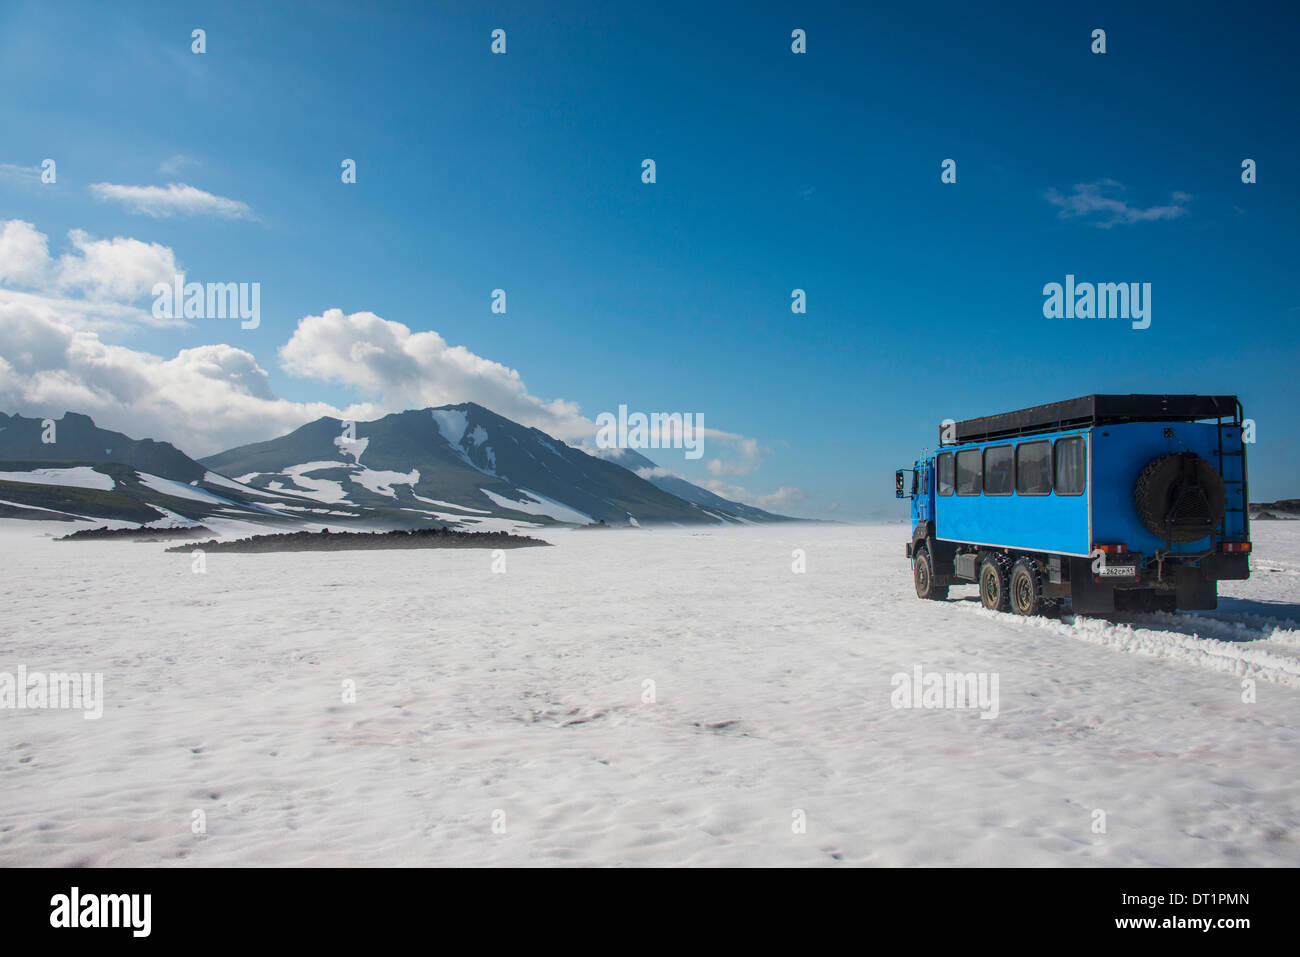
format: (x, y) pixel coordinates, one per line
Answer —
(1180, 497)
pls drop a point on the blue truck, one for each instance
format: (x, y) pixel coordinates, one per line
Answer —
(1116, 503)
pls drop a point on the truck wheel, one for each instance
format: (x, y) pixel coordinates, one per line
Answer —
(994, 589)
(1027, 588)
(923, 573)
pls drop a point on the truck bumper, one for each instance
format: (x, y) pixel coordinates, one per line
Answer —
(1182, 586)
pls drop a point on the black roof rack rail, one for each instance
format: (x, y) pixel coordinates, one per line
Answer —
(1092, 410)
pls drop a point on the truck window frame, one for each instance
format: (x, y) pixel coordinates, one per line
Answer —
(939, 461)
(1083, 487)
(979, 472)
(1051, 466)
(1011, 471)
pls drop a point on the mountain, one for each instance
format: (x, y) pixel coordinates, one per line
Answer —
(462, 466)
(77, 438)
(676, 485)
(1287, 508)
(89, 472)
(457, 464)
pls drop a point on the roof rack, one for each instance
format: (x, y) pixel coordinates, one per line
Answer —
(1091, 410)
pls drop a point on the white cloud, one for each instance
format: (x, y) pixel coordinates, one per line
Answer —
(96, 285)
(784, 497)
(1090, 199)
(204, 400)
(24, 254)
(175, 199)
(646, 473)
(748, 452)
(214, 397)
(87, 313)
(117, 269)
(402, 369)
(27, 176)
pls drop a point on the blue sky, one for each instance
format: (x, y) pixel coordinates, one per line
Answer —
(775, 171)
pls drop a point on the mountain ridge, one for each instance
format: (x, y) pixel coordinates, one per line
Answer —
(459, 465)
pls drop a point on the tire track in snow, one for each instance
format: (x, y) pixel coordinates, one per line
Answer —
(1241, 627)
(1230, 657)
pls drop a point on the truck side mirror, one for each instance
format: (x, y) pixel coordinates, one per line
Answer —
(898, 484)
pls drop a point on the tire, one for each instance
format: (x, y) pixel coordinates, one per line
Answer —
(923, 576)
(1026, 591)
(994, 587)
(1173, 509)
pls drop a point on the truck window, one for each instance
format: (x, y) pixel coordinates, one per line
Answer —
(1034, 468)
(968, 472)
(1071, 466)
(997, 470)
(945, 473)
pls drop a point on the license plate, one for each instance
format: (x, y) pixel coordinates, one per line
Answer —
(1119, 571)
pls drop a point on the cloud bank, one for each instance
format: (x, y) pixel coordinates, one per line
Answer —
(214, 397)
(98, 283)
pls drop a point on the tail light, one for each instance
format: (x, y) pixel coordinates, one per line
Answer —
(1111, 549)
(1235, 548)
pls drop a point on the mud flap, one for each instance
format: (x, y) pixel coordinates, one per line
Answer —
(1227, 567)
(1088, 596)
(1195, 591)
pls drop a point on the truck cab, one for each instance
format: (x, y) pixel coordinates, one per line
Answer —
(914, 484)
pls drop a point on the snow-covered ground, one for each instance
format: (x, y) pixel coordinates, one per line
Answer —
(522, 700)
(81, 476)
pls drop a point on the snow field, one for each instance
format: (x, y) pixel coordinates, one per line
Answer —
(521, 697)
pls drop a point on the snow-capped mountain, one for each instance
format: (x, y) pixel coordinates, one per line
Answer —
(459, 465)
(78, 470)
(76, 437)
